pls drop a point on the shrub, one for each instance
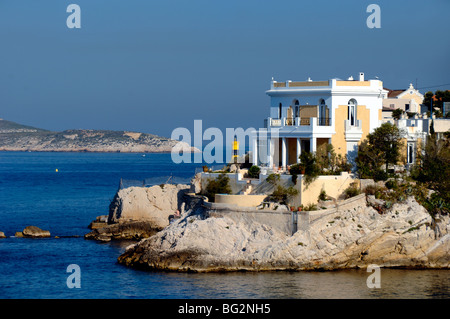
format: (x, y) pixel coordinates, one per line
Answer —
(391, 184)
(310, 207)
(436, 205)
(371, 189)
(297, 169)
(273, 178)
(282, 194)
(220, 185)
(253, 172)
(351, 191)
(323, 195)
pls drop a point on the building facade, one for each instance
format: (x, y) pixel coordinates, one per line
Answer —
(304, 115)
(409, 101)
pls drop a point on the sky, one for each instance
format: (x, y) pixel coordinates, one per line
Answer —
(152, 66)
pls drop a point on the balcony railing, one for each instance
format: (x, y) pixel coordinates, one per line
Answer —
(324, 121)
(305, 121)
(297, 121)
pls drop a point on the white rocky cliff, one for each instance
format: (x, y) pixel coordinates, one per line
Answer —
(404, 236)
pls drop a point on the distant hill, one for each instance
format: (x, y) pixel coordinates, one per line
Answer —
(18, 137)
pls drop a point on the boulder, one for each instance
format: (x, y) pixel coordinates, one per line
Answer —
(150, 204)
(35, 232)
(2, 234)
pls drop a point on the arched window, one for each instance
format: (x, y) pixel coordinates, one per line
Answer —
(352, 112)
(322, 113)
(297, 108)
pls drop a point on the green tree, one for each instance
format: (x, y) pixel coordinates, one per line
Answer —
(386, 140)
(382, 147)
(427, 99)
(312, 169)
(437, 102)
(368, 162)
(397, 113)
(433, 167)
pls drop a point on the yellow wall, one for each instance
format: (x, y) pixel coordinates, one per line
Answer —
(338, 139)
(240, 200)
(334, 186)
(403, 151)
(363, 114)
(413, 96)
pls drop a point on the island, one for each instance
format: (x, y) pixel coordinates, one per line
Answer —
(18, 137)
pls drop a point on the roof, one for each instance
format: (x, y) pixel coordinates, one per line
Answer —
(394, 93)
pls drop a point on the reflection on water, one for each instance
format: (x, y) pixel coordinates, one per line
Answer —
(395, 283)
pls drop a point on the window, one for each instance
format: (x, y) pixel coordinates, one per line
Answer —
(410, 155)
(322, 113)
(280, 110)
(352, 112)
(406, 107)
(297, 108)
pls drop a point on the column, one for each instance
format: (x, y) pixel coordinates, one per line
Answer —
(255, 150)
(283, 152)
(270, 150)
(313, 144)
(299, 150)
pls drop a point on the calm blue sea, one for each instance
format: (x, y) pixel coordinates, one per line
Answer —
(64, 202)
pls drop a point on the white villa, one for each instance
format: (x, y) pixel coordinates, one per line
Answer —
(306, 114)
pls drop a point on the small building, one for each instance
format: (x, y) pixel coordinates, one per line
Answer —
(409, 101)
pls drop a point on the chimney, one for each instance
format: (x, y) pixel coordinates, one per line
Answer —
(361, 76)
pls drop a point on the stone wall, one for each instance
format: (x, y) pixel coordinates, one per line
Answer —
(281, 219)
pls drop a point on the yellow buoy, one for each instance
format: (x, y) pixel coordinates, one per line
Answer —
(56, 170)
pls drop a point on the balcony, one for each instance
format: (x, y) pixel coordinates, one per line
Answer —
(305, 125)
(353, 132)
(297, 121)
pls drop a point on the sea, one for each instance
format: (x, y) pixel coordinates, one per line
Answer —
(64, 192)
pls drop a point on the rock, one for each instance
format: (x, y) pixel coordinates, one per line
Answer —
(132, 230)
(150, 204)
(371, 200)
(234, 168)
(196, 184)
(35, 232)
(351, 237)
(99, 222)
(18, 234)
(104, 238)
(2, 234)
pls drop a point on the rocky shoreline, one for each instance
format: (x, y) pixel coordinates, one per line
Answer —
(354, 236)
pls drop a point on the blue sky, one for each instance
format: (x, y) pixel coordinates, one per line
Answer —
(152, 66)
